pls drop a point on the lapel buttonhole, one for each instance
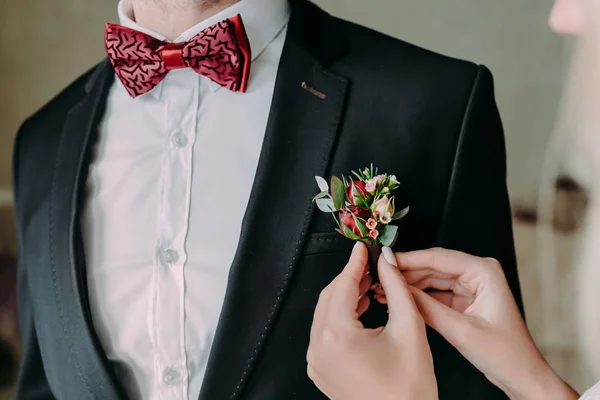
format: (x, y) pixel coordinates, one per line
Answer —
(313, 91)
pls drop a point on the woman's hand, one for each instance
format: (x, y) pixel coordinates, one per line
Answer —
(470, 303)
(347, 361)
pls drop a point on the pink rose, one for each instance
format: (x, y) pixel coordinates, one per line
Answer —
(383, 206)
(371, 186)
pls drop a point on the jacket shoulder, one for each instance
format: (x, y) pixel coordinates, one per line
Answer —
(36, 136)
(381, 52)
(63, 101)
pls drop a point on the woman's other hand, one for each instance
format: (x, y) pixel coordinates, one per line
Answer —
(469, 302)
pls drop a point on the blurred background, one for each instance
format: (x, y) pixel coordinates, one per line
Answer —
(44, 45)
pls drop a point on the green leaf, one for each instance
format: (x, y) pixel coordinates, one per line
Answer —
(401, 214)
(388, 235)
(322, 184)
(338, 192)
(340, 232)
(321, 195)
(349, 233)
(358, 196)
(359, 176)
(394, 241)
(360, 224)
(361, 200)
(325, 204)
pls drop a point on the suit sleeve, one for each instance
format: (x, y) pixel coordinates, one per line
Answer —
(32, 383)
(477, 217)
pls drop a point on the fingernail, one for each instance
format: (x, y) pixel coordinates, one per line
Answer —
(389, 256)
(355, 246)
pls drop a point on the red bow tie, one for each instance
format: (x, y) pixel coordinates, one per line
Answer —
(220, 52)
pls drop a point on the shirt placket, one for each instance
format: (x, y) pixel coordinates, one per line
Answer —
(179, 96)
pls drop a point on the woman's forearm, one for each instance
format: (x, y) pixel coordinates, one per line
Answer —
(544, 383)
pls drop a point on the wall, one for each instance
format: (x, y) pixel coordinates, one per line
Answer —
(43, 46)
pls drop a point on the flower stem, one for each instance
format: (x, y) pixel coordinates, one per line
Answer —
(374, 252)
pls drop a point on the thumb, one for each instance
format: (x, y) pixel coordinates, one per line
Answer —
(449, 323)
(402, 307)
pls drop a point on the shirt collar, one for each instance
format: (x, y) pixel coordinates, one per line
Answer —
(263, 20)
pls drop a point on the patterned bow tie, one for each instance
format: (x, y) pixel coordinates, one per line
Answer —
(220, 52)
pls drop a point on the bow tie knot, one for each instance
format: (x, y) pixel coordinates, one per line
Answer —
(220, 52)
(172, 56)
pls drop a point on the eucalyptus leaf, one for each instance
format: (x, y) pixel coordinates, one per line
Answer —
(322, 184)
(325, 204)
(338, 192)
(401, 214)
(388, 235)
(394, 241)
(321, 195)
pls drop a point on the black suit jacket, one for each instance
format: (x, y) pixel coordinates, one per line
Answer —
(430, 120)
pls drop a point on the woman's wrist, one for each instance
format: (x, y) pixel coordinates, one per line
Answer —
(540, 383)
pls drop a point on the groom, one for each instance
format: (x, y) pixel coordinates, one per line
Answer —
(169, 247)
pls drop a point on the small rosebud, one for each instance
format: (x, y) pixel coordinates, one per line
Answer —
(383, 205)
(371, 186)
(374, 234)
(356, 190)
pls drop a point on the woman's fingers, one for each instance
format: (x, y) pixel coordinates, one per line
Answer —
(346, 288)
(441, 260)
(402, 309)
(439, 284)
(363, 305)
(454, 301)
(446, 321)
(365, 284)
(416, 275)
(381, 298)
(344, 291)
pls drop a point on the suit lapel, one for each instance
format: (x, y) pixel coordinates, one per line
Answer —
(68, 265)
(306, 110)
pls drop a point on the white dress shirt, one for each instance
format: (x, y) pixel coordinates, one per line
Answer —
(167, 191)
(592, 394)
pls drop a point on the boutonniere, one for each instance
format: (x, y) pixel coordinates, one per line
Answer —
(363, 208)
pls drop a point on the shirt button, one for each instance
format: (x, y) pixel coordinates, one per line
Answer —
(170, 376)
(179, 140)
(170, 256)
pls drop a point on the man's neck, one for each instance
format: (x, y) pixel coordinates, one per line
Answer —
(170, 18)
